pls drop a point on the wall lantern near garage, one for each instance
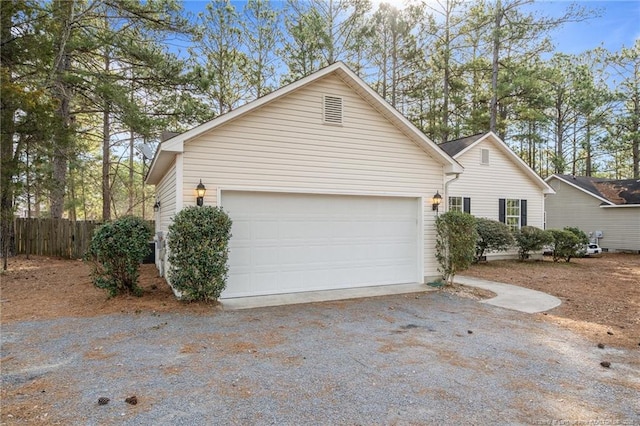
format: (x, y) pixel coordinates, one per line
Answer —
(200, 191)
(435, 201)
(156, 206)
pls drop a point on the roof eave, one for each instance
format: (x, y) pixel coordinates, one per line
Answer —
(573, 185)
(176, 144)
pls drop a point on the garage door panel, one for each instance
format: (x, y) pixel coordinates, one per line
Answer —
(301, 242)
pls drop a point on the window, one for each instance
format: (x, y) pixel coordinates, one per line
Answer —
(332, 109)
(460, 204)
(455, 204)
(484, 156)
(512, 212)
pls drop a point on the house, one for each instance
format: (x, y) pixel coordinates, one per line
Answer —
(496, 183)
(327, 185)
(608, 211)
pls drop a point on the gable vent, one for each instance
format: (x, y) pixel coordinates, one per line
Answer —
(484, 156)
(332, 112)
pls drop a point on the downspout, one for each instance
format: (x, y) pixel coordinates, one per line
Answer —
(446, 191)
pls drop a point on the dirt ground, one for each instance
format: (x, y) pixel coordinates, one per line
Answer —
(600, 296)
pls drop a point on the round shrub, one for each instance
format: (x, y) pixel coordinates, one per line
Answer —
(567, 243)
(492, 235)
(530, 238)
(198, 242)
(115, 253)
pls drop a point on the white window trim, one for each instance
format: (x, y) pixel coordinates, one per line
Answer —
(459, 207)
(507, 216)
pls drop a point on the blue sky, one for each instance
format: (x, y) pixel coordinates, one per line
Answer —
(618, 24)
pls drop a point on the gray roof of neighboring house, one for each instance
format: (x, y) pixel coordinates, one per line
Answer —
(455, 146)
(619, 192)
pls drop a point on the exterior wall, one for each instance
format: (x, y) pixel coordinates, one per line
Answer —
(620, 226)
(284, 146)
(166, 194)
(501, 178)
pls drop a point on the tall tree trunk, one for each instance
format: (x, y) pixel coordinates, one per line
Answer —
(493, 122)
(106, 165)
(106, 149)
(574, 149)
(587, 148)
(131, 187)
(559, 149)
(635, 134)
(8, 164)
(446, 82)
(62, 94)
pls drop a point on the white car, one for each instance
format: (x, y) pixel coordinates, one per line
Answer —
(593, 250)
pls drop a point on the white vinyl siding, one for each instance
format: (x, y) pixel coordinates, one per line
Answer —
(502, 178)
(285, 146)
(620, 226)
(166, 195)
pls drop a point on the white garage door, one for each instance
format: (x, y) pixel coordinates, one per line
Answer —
(284, 243)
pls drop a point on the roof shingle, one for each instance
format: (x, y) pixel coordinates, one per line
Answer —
(618, 192)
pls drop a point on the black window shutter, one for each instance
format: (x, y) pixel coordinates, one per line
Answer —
(466, 205)
(502, 207)
(523, 212)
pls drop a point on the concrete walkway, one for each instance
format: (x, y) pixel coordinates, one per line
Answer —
(511, 296)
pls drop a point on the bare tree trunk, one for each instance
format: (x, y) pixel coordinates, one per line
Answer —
(635, 133)
(62, 94)
(446, 82)
(493, 123)
(587, 149)
(106, 165)
(131, 153)
(106, 148)
(7, 166)
(574, 149)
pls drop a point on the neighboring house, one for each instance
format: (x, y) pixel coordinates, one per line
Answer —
(327, 185)
(496, 183)
(608, 211)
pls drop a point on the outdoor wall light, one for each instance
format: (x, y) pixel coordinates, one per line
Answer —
(435, 201)
(200, 191)
(156, 206)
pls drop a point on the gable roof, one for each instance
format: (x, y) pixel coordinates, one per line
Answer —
(621, 192)
(168, 149)
(457, 147)
(454, 147)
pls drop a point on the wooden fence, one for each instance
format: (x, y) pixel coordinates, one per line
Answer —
(54, 237)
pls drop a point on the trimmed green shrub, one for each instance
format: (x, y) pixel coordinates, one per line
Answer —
(456, 238)
(198, 242)
(583, 240)
(563, 244)
(530, 238)
(492, 235)
(567, 243)
(115, 253)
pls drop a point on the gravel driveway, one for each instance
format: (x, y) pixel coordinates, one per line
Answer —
(431, 358)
